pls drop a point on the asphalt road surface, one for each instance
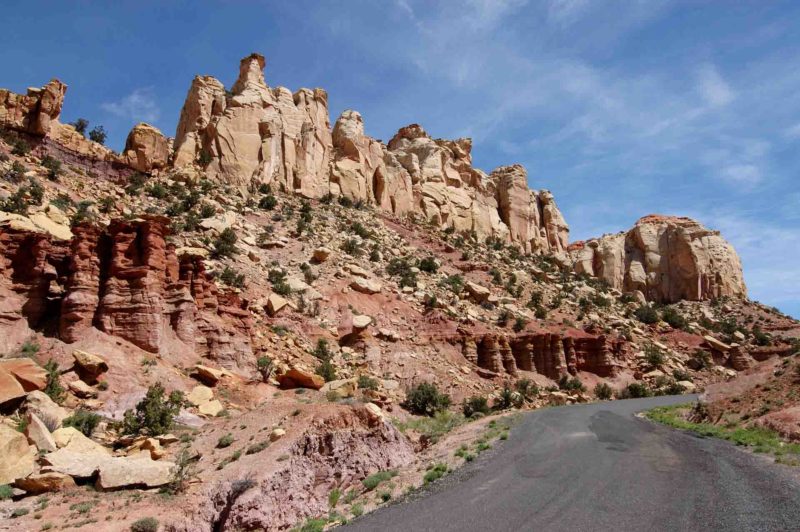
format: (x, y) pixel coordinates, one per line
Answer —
(598, 467)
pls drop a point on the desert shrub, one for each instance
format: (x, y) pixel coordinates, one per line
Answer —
(352, 247)
(503, 317)
(653, 355)
(333, 497)
(225, 245)
(571, 384)
(83, 420)
(6, 492)
(454, 282)
(526, 388)
(507, 399)
(154, 414)
(477, 404)
(53, 167)
(359, 229)
(376, 479)
(424, 399)
(136, 183)
(98, 134)
(232, 277)
(344, 201)
(225, 441)
(20, 147)
(207, 211)
(401, 267)
(603, 391)
(497, 276)
(634, 390)
(53, 386)
(435, 473)
(257, 447)
(646, 314)
(16, 173)
(540, 313)
(80, 125)
(673, 318)
(365, 382)
(82, 213)
(321, 350)
(429, 265)
(326, 370)
(145, 524)
(267, 203)
(519, 324)
(682, 375)
(265, 365)
(761, 338)
(701, 359)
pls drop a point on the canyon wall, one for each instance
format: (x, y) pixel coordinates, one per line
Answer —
(666, 258)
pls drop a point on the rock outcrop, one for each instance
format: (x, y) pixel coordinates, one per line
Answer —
(256, 134)
(35, 111)
(124, 280)
(666, 258)
(146, 149)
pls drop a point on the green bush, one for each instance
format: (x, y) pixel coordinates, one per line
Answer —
(646, 314)
(571, 384)
(673, 318)
(80, 125)
(352, 247)
(98, 134)
(365, 382)
(375, 480)
(435, 473)
(225, 245)
(653, 355)
(424, 399)
(603, 391)
(267, 203)
(428, 265)
(225, 441)
(145, 524)
(476, 404)
(232, 277)
(519, 324)
(6, 492)
(326, 370)
(506, 399)
(454, 282)
(16, 173)
(264, 365)
(635, 390)
(83, 420)
(333, 497)
(322, 351)
(682, 375)
(53, 167)
(53, 386)
(154, 414)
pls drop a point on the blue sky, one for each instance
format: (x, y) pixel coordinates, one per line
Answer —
(620, 107)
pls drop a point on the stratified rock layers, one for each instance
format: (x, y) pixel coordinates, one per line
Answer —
(666, 258)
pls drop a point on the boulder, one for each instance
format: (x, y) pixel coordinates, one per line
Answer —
(46, 409)
(276, 434)
(200, 394)
(361, 322)
(365, 286)
(38, 434)
(477, 292)
(207, 375)
(28, 373)
(89, 366)
(210, 408)
(342, 387)
(374, 411)
(715, 344)
(275, 304)
(73, 440)
(138, 470)
(11, 391)
(77, 464)
(18, 458)
(146, 148)
(300, 378)
(82, 390)
(45, 483)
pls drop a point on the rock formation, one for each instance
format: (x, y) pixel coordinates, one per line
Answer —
(146, 148)
(35, 111)
(124, 280)
(256, 134)
(666, 258)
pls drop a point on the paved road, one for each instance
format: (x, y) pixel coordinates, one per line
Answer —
(597, 467)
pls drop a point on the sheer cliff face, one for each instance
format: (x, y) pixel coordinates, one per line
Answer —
(256, 134)
(666, 258)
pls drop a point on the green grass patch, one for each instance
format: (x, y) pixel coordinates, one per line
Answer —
(758, 439)
(433, 427)
(374, 480)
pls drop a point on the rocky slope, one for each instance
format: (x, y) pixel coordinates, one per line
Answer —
(295, 281)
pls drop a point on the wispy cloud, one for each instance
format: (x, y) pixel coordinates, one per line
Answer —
(713, 88)
(140, 105)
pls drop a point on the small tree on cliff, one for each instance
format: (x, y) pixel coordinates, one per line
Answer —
(154, 414)
(225, 245)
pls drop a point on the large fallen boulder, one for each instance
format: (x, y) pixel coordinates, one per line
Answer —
(30, 375)
(89, 366)
(18, 458)
(136, 470)
(45, 482)
(46, 409)
(300, 378)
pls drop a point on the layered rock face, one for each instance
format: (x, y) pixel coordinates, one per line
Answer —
(124, 280)
(550, 354)
(666, 258)
(257, 134)
(35, 111)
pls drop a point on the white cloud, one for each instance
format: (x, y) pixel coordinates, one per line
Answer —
(564, 12)
(744, 174)
(140, 106)
(712, 87)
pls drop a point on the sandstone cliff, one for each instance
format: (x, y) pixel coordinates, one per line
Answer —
(666, 258)
(124, 280)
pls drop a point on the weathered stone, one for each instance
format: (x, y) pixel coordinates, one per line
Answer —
(137, 470)
(477, 292)
(275, 304)
(207, 375)
(361, 322)
(716, 344)
(77, 464)
(30, 375)
(34, 112)
(667, 258)
(366, 286)
(82, 390)
(39, 403)
(321, 254)
(210, 408)
(342, 387)
(18, 458)
(73, 440)
(89, 365)
(11, 391)
(146, 148)
(374, 411)
(276, 434)
(200, 394)
(300, 378)
(45, 483)
(38, 434)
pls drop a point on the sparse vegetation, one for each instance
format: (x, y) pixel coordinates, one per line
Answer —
(53, 387)
(646, 314)
(154, 414)
(145, 524)
(476, 406)
(83, 420)
(603, 391)
(376, 479)
(225, 245)
(424, 399)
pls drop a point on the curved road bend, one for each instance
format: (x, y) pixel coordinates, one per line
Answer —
(598, 467)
